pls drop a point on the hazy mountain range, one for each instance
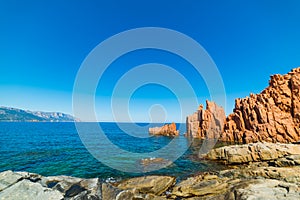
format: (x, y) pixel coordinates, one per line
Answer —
(8, 114)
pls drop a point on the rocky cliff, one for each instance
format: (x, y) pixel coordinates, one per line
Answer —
(206, 123)
(272, 116)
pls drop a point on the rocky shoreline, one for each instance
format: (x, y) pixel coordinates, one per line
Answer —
(261, 168)
(257, 171)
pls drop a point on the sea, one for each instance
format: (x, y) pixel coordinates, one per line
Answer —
(53, 149)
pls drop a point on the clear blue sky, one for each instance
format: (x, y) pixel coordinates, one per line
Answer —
(43, 43)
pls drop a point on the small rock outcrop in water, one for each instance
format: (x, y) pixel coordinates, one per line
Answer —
(271, 116)
(166, 130)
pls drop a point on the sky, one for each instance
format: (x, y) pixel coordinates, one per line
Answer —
(44, 43)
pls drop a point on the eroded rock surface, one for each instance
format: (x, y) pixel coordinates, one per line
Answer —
(201, 186)
(277, 153)
(147, 187)
(268, 190)
(26, 189)
(24, 185)
(249, 182)
(148, 184)
(242, 183)
(206, 124)
(166, 130)
(271, 116)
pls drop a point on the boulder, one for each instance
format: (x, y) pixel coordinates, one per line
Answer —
(27, 190)
(200, 186)
(25, 185)
(241, 183)
(111, 192)
(8, 178)
(257, 152)
(73, 187)
(166, 130)
(148, 184)
(287, 174)
(267, 189)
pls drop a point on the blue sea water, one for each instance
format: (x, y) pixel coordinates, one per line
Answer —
(56, 149)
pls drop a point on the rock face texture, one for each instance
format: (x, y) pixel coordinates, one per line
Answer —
(249, 183)
(206, 124)
(24, 185)
(149, 184)
(278, 154)
(224, 186)
(147, 188)
(166, 130)
(271, 116)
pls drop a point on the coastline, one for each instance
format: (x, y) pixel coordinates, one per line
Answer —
(265, 166)
(258, 170)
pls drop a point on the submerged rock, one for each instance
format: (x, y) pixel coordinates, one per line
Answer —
(166, 130)
(150, 164)
(149, 161)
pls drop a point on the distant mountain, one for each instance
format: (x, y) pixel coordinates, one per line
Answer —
(8, 114)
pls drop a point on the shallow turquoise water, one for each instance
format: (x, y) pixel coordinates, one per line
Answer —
(56, 149)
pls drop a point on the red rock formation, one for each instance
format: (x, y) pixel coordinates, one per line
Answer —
(206, 123)
(166, 130)
(272, 116)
